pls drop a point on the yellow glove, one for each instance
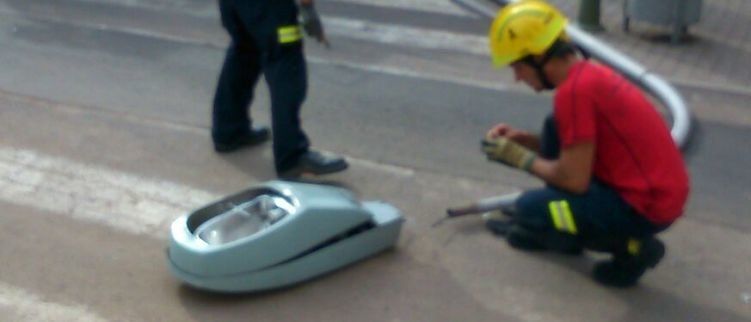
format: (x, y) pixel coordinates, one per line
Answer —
(508, 152)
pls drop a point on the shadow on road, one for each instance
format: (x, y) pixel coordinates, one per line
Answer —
(389, 287)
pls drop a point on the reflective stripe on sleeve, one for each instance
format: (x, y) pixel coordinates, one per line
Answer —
(289, 34)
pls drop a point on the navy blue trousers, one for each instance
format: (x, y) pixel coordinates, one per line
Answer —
(255, 48)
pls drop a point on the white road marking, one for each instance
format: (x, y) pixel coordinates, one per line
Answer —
(374, 32)
(437, 6)
(406, 36)
(26, 306)
(122, 201)
(384, 167)
(398, 35)
(406, 71)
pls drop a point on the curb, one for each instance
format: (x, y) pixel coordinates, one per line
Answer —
(728, 89)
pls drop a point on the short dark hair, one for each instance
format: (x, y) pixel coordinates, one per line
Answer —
(561, 48)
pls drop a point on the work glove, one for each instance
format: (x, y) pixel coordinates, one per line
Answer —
(508, 152)
(311, 22)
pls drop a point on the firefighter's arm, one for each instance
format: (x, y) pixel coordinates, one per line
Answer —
(572, 171)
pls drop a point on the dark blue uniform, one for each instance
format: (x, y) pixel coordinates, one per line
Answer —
(266, 38)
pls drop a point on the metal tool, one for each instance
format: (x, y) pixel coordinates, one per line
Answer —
(480, 206)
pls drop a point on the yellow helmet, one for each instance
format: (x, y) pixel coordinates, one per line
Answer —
(526, 27)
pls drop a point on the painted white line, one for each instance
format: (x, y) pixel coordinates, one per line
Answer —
(437, 6)
(406, 71)
(392, 169)
(398, 35)
(25, 306)
(122, 201)
(406, 36)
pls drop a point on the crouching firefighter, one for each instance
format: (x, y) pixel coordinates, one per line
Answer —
(614, 176)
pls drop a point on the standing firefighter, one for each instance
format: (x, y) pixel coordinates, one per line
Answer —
(614, 177)
(266, 38)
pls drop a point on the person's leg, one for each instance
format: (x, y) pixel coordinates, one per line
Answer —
(632, 241)
(543, 219)
(598, 212)
(234, 92)
(286, 74)
(631, 259)
(599, 220)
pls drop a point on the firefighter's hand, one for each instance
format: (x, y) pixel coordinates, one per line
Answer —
(524, 138)
(501, 129)
(311, 22)
(508, 152)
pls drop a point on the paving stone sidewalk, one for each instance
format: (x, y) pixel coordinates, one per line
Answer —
(715, 55)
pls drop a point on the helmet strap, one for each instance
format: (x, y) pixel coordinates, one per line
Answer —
(538, 67)
(558, 48)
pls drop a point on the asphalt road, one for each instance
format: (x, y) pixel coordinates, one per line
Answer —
(92, 92)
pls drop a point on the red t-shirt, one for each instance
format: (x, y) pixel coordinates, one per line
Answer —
(634, 152)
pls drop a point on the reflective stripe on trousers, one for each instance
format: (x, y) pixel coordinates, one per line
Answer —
(563, 219)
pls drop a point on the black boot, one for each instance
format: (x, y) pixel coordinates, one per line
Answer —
(316, 163)
(500, 221)
(521, 238)
(628, 265)
(254, 136)
(499, 226)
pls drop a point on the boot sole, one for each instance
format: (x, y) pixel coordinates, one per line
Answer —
(226, 148)
(302, 171)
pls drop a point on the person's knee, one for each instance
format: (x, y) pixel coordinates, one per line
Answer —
(287, 77)
(531, 212)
